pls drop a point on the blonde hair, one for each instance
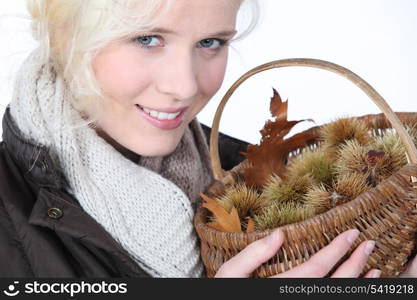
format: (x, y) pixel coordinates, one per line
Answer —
(72, 32)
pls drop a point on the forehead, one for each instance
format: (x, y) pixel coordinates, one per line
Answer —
(200, 16)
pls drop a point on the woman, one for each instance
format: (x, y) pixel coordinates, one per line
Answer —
(103, 159)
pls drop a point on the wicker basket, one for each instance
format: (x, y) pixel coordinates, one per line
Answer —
(386, 214)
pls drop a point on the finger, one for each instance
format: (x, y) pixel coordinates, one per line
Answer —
(255, 254)
(411, 270)
(374, 273)
(354, 265)
(323, 261)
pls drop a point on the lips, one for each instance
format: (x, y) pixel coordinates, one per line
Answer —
(161, 115)
(166, 119)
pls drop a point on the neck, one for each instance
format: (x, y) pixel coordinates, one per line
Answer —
(130, 155)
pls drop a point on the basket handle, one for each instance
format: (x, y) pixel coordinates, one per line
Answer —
(411, 149)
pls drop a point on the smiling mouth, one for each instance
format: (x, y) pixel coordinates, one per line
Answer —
(167, 120)
(160, 115)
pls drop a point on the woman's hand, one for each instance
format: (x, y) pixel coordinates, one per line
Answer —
(411, 271)
(319, 265)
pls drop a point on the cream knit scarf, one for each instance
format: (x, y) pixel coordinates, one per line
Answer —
(146, 207)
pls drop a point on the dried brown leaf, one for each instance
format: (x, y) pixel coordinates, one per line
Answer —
(271, 155)
(251, 226)
(224, 221)
(215, 226)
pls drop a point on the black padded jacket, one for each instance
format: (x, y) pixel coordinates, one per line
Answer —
(44, 232)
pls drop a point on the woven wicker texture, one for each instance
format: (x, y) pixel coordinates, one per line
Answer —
(386, 214)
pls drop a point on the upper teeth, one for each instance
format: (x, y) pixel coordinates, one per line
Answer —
(160, 115)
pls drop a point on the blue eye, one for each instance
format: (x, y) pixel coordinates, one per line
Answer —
(149, 41)
(211, 43)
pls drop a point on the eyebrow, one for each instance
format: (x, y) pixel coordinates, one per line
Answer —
(224, 33)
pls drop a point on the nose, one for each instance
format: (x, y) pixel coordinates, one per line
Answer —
(177, 76)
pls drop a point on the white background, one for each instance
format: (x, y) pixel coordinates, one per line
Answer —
(377, 39)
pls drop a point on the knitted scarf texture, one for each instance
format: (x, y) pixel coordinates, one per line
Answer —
(146, 206)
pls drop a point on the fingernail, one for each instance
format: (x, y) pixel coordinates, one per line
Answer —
(376, 274)
(352, 235)
(370, 245)
(271, 238)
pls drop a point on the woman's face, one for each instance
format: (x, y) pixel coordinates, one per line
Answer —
(155, 84)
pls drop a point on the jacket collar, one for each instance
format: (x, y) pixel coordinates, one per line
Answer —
(34, 159)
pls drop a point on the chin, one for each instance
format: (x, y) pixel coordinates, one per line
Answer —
(157, 149)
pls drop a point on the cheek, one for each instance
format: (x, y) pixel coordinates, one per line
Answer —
(211, 76)
(118, 77)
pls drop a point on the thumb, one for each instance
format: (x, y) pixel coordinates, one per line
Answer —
(255, 254)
